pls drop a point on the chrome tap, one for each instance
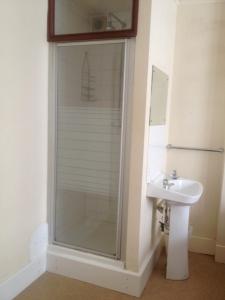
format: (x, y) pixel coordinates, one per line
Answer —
(167, 184)
(174, 175)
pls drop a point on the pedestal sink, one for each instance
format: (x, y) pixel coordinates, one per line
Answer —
(180, 195)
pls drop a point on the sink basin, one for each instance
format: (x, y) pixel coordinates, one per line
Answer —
(181, 192)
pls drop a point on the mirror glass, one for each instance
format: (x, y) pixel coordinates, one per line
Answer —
(159, 96)
(86, 16)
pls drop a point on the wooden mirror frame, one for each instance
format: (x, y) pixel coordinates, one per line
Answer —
(128, 33)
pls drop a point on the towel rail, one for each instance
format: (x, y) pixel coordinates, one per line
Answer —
(219, 150)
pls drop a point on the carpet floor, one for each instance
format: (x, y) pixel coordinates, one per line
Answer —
(206, 282)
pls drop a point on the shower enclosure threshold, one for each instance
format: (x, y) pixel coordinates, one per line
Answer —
(76, 254)
(101, 271)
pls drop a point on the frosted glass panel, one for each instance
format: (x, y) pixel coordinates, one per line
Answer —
(89, 118)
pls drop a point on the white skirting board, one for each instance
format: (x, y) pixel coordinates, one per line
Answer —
(102, 272)
(21, 280)
(220, 254)
(202, 245)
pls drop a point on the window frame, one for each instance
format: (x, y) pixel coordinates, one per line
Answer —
(53, 37)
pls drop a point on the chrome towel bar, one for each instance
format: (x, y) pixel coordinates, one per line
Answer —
(219, 150)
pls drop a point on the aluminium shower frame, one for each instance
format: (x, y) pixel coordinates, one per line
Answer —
(52, 143)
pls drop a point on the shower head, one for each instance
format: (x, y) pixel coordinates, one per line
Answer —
(110, 18)
(109, 25)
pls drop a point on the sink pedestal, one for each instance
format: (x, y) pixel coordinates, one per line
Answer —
(177, 257)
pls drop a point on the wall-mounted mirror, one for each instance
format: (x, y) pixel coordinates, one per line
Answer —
(72, 20)
(159, 97)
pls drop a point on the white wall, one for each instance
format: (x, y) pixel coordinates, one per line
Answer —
(138, 137)
(23, 128)
(152, 47)
(220, 239)
(162, 42)
(162, 39)
(197, 110)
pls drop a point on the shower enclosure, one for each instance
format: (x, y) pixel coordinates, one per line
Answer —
(89, 144)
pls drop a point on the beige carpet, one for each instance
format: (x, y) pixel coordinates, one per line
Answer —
(207, 282)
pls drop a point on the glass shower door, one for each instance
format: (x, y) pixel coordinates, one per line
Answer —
(88, 155)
